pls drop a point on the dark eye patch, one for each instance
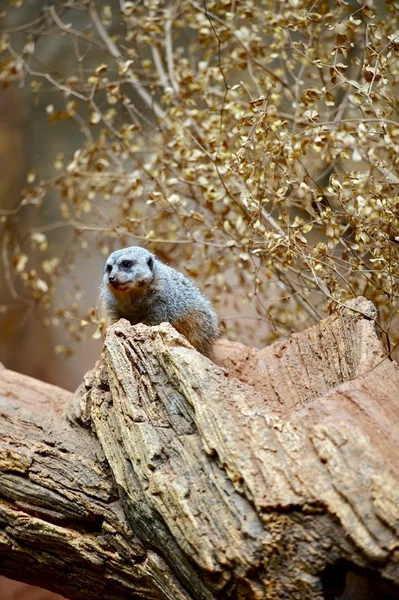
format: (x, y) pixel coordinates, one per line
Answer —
(150, 262)
(126, 264)
(108, 268)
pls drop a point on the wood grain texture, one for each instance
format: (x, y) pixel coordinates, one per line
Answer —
(62, 525)
(170, 476)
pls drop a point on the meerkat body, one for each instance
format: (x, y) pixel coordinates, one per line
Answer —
(138, 287)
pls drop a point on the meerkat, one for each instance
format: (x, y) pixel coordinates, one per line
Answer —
(138, 287)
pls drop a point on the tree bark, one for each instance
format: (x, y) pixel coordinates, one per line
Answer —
(268, 476)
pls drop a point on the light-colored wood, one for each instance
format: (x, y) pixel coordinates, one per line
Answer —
(170, 477)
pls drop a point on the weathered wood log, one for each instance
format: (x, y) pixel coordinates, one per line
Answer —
(167, 476)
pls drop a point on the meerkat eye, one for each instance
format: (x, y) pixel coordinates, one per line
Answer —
(150, 262)
(126, 264)
(108, 268)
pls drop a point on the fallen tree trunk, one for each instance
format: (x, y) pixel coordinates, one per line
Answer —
(166, 476)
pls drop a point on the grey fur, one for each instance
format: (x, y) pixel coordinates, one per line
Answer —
(150, 292)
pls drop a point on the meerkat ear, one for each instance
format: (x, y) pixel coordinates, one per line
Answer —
(150, 263)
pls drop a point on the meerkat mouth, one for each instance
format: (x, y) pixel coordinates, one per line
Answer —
(118, 287)
(126, 287)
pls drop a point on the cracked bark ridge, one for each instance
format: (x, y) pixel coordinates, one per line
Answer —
(175, 477)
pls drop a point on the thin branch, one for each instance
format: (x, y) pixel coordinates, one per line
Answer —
(301, 300)
(164, 81)
(231, 30)
(68, 29)
(169, 50)
(113, 49)
(67, 90)
(8, 276)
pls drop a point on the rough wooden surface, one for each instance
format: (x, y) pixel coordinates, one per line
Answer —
(62, 525)
(172, 477)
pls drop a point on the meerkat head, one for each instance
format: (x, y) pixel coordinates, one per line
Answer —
(130, 270)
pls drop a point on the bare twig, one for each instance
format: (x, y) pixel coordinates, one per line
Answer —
(170, 14)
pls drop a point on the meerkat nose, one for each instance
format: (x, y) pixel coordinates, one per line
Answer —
(111, 278)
